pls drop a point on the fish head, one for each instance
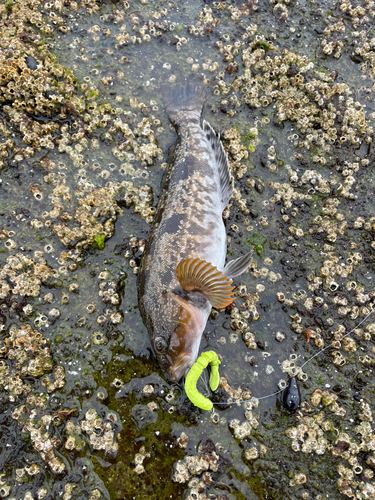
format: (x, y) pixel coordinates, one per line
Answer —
(178, 351)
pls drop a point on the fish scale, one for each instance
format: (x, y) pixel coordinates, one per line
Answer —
(188, 227)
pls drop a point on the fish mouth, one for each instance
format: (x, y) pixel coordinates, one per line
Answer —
(180, 367)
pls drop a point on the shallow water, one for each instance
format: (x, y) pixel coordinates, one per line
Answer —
(135, 448)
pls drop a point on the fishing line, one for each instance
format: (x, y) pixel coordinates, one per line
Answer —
(204, 378)
(252, 399)
(330, 345)
(304, 364)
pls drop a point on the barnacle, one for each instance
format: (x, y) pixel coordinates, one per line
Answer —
(23, 276)
(101, 432)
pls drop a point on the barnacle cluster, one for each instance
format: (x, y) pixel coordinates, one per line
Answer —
(205, 24)
(25, 354)
(199, 470)
(325, 115)
(337, 35)
(94, 217)
(134, 253)
(263, 272)
(102, 432)
(247, 310)
(238, 152)
(32, 83)
(252, 453)
(323, 111)
(89, 218)
(317, 433)
(234, 394)
(332, 284)
(238, 320)
(142, 30)
(29, 381)
(28, 355)
(141, 199)
(139, 459)
(34, 421)
(107, 291)
(300, 94)
(22, 275)
(243, 430)
(75, 439)
(335, 278)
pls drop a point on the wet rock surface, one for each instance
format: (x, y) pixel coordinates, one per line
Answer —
(86, 412)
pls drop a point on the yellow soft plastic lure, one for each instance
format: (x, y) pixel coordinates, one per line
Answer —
(205, 359)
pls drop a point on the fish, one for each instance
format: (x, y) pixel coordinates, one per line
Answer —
(182, 273)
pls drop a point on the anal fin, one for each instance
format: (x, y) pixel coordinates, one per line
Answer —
(238, 266)
(199, 275)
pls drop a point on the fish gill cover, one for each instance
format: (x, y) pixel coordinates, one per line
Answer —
(86, 412)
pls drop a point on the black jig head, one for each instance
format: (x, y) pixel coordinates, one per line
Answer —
(291, 397)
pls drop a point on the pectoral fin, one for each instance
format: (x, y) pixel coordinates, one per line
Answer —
(197, 274)
(238, 266)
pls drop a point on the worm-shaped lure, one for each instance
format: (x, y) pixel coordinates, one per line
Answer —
(205, 359)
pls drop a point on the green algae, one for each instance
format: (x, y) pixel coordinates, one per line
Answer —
(264, 45)
(258, 241)
(99, 241)
(9, 5)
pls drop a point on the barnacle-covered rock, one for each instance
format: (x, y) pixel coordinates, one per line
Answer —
(252, 453)
(75, 438)
(138, 460)
(26, 356)
(93, 219)
(23, 275)
(234, 394)
(32, 83)
(29, 355)
(307, 436)
(102, 432)
(199, 466)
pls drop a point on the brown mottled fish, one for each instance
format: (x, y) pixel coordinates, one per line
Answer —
(182, 273)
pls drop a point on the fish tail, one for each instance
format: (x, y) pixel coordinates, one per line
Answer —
(184, 103)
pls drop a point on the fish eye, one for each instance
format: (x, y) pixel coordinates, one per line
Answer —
(160, 344)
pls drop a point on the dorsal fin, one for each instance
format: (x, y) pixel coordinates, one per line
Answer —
(226, 182)
(197, 274)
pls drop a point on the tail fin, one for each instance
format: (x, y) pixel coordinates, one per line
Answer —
(184, 103)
